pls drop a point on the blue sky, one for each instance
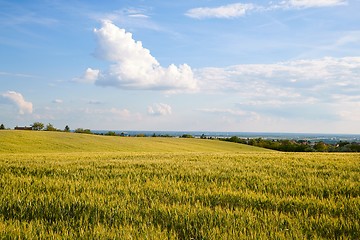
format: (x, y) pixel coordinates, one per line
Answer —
(206, 65)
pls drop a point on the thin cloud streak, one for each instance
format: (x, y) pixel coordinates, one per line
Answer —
(226, 11)
(20, 75)
(299, 4)
(236, 10)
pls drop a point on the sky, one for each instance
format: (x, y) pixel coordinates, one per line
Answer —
(205, 65)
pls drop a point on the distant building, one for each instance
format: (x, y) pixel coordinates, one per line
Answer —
(23, 128)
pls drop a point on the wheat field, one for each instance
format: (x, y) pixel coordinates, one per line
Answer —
(75, 186)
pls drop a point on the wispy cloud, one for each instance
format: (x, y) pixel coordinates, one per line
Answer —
(236, 10)
(95, 102)
(22, 75)
(159, 109)
(129, 18)
(123, 15)
(320, 88)
(15, 14)
(309, 3)
(311, 75)
(18, 100)
(227, 11)
(58, 101)
(350, 115)
(136, 12)
(27, 19)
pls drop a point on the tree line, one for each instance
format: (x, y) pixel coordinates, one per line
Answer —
(284, 145)
(297, 145)
(39, 126)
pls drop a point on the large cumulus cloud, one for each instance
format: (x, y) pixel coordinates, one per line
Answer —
(133, 67)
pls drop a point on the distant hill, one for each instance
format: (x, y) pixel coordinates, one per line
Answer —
(14, 141)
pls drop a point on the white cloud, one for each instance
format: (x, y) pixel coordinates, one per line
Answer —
(58, 101)
(347, 107)
(90, 76)
(236, 10)
(17, 75)
(122, 113)
(159, 109)
(133, 67)
(95, 102)
(18, 100)
(125, 15)
(325, 73)
(325, 88)
(138, 15)
(227, 11)
(311, 3)
(350, 115)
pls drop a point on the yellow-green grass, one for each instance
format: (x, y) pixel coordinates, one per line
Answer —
(41, 141)
(218, 192)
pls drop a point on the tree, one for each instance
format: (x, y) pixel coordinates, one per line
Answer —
(342, 144)
(110, 133)
(37, 126)
(81, 130)
(320, 147)
(67, 129)
(50, 127)
(2, 127)
(186, 136)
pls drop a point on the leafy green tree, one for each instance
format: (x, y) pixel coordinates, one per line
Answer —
(355, 147)
(37, 126)
(110, 133)
(2, 127)
(342, 144)
(140, 135)
(320, 147)
(50, 127)
(66, 129)
(81, 130)
(187, 136)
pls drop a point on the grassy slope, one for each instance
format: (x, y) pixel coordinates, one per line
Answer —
(41, 142)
